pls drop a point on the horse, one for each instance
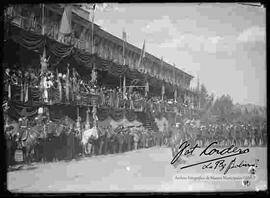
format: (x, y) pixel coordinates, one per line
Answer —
(28, 141)
(88, 138)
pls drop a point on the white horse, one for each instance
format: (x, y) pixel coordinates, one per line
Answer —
(86, 136)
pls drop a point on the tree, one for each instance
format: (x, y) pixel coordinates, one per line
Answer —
(246, 111)
(223, 107)
(203, 96)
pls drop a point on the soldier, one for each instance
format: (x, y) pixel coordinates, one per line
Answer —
(254, 140)
(106, 138)
(136, 140)
(129, 141)
(126, 139)
(112, 140)
(264, 134)
(260, 137)
(238, 135)
(121, 141)
(199, 136)
(246, 136)
(143, 140)
(102, 138)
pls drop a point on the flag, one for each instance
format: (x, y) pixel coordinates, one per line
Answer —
(92, 31)
(67, 84)
(59, 85)
(9, 91)
(142, 55)
(26, 93)
(162, 91)
(174, 78)
(87, 124)
(198, 84)
(124, 45)
(161, 69)
(146, 88)
(124, 87)
(43, 19)
(65, 25)
(44, 61)
(175, 95)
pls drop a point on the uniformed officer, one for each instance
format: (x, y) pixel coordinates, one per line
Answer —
(136, 139)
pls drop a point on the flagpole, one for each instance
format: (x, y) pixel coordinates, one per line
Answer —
(124, 40)
(124, 62)
(92, 34)
(43, 19)
(141, 56)
(161, 69)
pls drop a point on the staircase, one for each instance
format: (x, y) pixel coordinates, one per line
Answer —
(150, 123)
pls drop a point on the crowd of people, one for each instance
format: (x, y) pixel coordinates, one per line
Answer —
(69, 87)
(225, 134)
(42, 139)
(59, 140)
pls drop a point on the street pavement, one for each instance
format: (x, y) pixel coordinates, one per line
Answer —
(144, 170)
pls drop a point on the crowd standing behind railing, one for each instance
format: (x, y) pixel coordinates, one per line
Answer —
(68, 87)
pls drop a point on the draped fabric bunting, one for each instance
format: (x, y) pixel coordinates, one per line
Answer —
(117, 114)
(141, 117)
(35, 96)
(59, 51)
(117, 70)
(130, 115)
(18, 110)
(26, 39)
(58, 110)
(101, 64)
(133, 74)
(84, 58)
(103, 113)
